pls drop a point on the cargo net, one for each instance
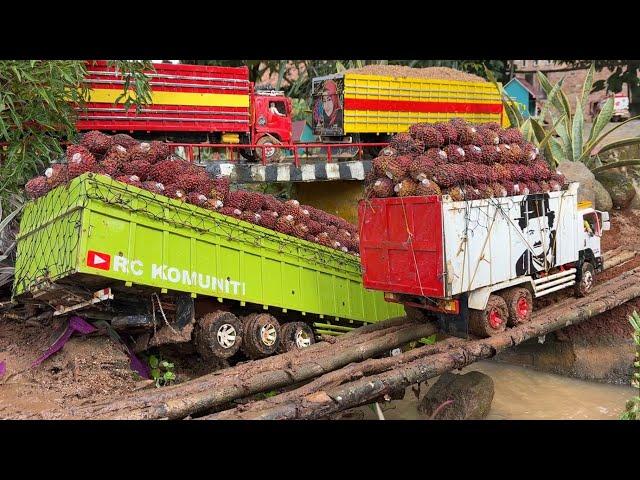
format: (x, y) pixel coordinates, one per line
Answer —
(146, 178)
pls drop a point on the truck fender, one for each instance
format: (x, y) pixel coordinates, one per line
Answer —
(478, 298)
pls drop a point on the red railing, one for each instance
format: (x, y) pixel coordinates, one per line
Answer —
(328, 152)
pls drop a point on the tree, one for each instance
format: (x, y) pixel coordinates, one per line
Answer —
(624, 72)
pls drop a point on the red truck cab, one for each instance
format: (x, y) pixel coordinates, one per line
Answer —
(270, 122)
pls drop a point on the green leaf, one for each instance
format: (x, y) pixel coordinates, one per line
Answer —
(586, 87)
(565, 138)
(626, 142)
(578, 128)
(595, 142)
(556, 151)
(168, 376)
(603, 118)
(153, 361)
(155, 373)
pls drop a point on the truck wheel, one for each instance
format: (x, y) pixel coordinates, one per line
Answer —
(520, 305)
(296, 336)
(271, 154)
(261, 335)
(490, 321)
(587, 280)
(218, 335)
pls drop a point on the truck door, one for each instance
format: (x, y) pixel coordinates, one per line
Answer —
(592, 224)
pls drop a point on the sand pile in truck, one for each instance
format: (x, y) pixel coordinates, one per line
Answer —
(428, 73)
(464, 160)
(152, 166)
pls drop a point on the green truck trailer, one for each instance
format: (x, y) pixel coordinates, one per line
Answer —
(168, 271)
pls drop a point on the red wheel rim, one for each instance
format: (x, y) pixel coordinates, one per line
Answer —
(522, 307)
(494, 319)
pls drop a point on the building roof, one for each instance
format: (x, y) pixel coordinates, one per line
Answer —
(526, 85)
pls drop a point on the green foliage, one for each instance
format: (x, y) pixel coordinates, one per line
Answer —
(632, 408)
(623, 72)
(563, 139)
(161, 371)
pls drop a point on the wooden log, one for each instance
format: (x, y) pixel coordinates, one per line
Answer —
(321, 403)
(247, 379)
(618, 259)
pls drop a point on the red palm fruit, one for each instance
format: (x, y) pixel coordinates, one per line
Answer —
(214, 204)
(311, 238)
(490, 154)
(324, 239)
(300, 230)
(158, 151)
(116, 154)
(231, 212)
(534, 187)
(78, 153)
(155, 187)
(388, 152)
(498, 190)
(427, 187)
(510, 187)
(488, 136)
(468, 135)
(167, 171)
(140, 152)
(406, 187)
(448, 175)
(137, 167)
(81, 163)
(123, 140)
(57, 174)
(427, 134)
(237, 199)
(255, 201)
(272, 203)
(422, 167)
(501, 173)
(37, 187)
(471, 193)
(517, 152)
(544, 186)
(285, 224)
(197, 198)
(518, 172)
(560, 178)
(382, 188)
(332, 230)
(522, 188)
(221, 186)
(398, 167)
(268, 218)
(370, 177)
(512, 135)
(96, 142)
(174, 191)
(402, 143)
(314, 227)
(291, 207)
(456, 193)
(554, 186)
(133, 180)
(485, 191)
(472, 153)
(251, 217)
(455, 153)
(437, 155)
(492, 126)
(541, 170)
(448, 132)
(530, 153)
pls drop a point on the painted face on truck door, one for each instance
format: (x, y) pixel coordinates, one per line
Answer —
(538, 228)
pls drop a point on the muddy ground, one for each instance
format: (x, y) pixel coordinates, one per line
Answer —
(93, 367)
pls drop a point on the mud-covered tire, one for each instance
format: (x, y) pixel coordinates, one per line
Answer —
(218, 335)
(490, 321)
(296, 336)
(587, 280)
(261, 335)
(519, 304)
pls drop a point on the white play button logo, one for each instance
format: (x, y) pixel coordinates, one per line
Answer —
(98, 260)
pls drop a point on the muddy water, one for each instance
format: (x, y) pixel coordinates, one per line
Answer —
(525, 394)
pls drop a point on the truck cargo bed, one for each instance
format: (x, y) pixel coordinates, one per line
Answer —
(96, 232)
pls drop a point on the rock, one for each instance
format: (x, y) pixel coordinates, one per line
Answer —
(603, 200)
(635, 203)
(471, 393)
(579, 172)
(619, 186)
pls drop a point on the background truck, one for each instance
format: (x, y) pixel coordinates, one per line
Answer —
(153, 265)
(219, 105)
(479, 264)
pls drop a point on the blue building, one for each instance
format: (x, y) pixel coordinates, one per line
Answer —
(522, 92)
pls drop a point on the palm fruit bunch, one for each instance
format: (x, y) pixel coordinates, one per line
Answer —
(544, 186)
(57, 174)
(36, 187)
(456, 193)
(300, 230)
(291, 207)
(398, 167)
(113, 161)
(251, 217)
(403, 143)
(541, 170)
(448, 131)
(488, 136)
(139, 151)
(314, 227)
(219, 189)
(406, 187)
(422, 167)
(272, 203)
(449, 175)
(468, 135)
(490, 154)
(472, 153)
(79, 160)
(123, 140)
(96, 142)
(237, 199)
(530, 152)
(511, 135)
(155, 187)
(255, 201)
(388, 152)
(455, 153)
(158, 151)
(427, 187)
(517, 152)
(285, 224)
(166, 171)
(508, 155)
(427, 134)
(534, 187)
(136, 167)
(437, 155)
(380, 164)
(197, 198)
(268, 219)
(133, 180)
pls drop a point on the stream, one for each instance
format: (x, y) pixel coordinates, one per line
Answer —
(525, 394)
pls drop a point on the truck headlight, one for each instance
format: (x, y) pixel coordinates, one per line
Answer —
(262, 120)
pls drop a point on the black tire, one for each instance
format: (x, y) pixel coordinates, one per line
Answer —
(490, 321)
(586, 280)
(218, 335)
(275, 157)
(519, 304)
(296, 336)
(261, 335)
